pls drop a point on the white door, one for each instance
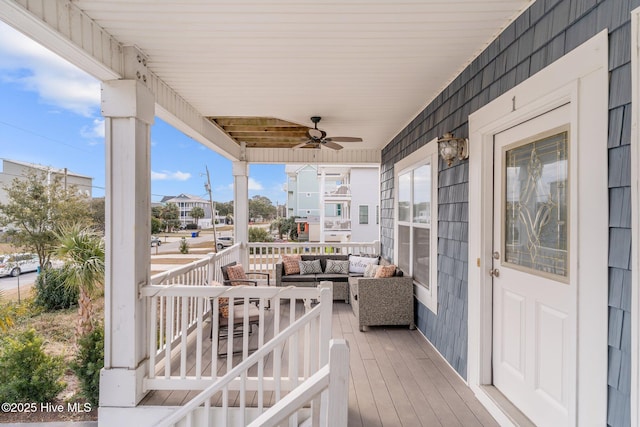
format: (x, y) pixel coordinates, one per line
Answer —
(534, 305)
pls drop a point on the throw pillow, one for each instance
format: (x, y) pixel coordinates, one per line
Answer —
(310, 267)
(236, 272)
(385, 271)
(290, 263)
(357, 264)
(337, 267)
(371, 270)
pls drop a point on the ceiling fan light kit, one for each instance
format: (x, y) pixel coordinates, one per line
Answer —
(316, 138)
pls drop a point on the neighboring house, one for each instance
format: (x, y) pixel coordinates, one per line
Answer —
(334, 201)
(12, 169)
(185, 203)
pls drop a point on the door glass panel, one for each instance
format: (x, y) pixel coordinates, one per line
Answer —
(536, 208)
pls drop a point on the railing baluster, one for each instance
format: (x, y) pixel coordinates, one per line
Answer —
(183, 340)
(199, 333)
(168, 339)
(153, 336)
(230, 334)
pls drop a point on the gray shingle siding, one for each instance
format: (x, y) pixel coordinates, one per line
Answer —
(542, 34)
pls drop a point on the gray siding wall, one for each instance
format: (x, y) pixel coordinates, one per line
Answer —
(542, 34)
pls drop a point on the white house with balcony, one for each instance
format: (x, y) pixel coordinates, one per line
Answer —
(334, 201)
(506, 133)
(185, 203)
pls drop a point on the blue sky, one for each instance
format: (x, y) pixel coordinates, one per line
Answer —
(49, 114)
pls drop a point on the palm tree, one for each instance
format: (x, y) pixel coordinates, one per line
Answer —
(83, 252)
(196, 213)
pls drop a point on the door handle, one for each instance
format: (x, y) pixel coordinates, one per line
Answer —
(494, 272)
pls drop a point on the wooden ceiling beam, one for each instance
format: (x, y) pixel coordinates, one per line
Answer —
(252, 121)
(240, 129)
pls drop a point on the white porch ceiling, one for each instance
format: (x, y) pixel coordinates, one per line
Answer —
(367, 67)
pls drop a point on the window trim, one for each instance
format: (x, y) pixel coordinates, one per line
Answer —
(424, 155)
(360, 215)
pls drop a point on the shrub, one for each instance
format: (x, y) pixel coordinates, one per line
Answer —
(184, 246)
(191, 226)
(51, 293)
(257, 234)
(88, 362)
(27, 373)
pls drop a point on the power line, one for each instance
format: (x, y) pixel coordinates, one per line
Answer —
(45, 137)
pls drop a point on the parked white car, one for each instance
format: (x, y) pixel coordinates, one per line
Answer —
(224, 242)
(13, 265)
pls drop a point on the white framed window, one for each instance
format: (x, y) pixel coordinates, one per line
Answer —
(363, 217)
(416, 221)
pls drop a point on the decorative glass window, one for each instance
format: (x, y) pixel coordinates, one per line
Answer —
(364, 214)
(416, 213)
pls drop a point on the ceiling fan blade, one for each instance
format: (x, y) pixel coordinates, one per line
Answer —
(343, 139)
(302, 145)
(332, 145)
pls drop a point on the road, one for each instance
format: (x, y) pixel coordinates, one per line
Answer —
(9, 283)
(169, 244)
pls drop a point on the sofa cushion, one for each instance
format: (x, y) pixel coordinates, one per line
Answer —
(337, 266)
(357, 264)
(292, 278)
(290, 264)
(371, 270)
(323, 258)
(332, 276)
(385, 271)
(310, 267)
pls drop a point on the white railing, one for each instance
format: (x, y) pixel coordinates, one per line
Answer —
(173, 317)
(332, 379)
(172, 353)
(307, 342)
(337, 224)
(264, 256)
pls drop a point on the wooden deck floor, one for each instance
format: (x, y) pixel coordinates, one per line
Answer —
(397, 379)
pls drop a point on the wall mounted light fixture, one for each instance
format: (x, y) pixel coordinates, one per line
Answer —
(452, 148)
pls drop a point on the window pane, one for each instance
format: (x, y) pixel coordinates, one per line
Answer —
(364, 214)
(537, 203)
(421, 255)
(404, 248)
(404, 197)
(422, 194)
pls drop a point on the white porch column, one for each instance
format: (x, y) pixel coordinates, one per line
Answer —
(128, 107)
(241, 207)
(322, 187)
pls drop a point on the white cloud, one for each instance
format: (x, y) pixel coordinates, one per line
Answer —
(170, 176)
(57, 82)
(96, 130)
(253, 185)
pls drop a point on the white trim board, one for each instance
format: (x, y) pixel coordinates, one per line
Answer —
(426, 154)
(580, 78)
(635, 218)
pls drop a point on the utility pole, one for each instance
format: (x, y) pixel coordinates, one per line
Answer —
(207, 187)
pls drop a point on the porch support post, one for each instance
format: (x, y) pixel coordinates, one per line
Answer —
(128, 107)
(322, 187)
(241, 208)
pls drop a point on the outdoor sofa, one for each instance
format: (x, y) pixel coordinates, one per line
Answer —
(340, 280)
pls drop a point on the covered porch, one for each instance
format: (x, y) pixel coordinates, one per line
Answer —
(390, 82)
(396, 378)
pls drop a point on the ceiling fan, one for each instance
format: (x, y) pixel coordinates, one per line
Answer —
(316, 138)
